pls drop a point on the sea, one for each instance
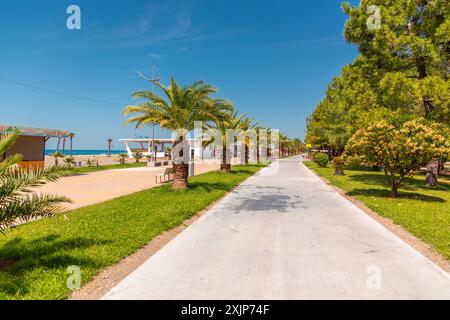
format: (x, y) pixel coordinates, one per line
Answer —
(87, 152)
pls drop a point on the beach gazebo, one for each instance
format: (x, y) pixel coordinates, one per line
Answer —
(159, 146)
(31, 143)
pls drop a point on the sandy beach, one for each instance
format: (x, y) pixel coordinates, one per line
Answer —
(102, 160)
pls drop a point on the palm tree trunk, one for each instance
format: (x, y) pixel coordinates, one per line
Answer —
(181, 171)
(258, 160)
(224, 166)
(180, 177)
(71, 146)
(64, 147)
(246, 154)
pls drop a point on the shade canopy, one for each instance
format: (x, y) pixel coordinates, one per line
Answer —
(35, 132)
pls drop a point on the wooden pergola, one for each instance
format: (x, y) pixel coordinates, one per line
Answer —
(31, 143)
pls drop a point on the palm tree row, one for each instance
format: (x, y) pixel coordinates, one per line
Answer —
(178, 111)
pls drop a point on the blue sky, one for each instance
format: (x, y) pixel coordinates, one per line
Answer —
(272, 59)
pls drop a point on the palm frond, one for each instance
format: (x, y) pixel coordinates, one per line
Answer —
(27, 208)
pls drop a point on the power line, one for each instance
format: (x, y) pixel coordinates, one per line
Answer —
(59, 92)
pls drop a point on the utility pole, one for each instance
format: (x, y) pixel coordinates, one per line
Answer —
(153, 79)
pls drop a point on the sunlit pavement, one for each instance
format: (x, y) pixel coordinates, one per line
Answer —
(285, 234)
(91, 188)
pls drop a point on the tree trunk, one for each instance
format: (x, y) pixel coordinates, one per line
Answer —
(432, 173)
(71, 146)
(339, 170)
(180, 170)
(64, 147)
(59, 142)
(180, 176)
(433, 167)
(394, 190)
(258, 160)
(246, 154)
(224, 166)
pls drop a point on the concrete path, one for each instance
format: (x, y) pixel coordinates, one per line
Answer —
(90, 188)
(285, 234)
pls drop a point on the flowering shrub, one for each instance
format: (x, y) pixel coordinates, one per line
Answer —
(401, 148)
(338, 163)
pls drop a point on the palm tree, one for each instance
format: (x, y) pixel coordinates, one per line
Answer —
(169, 152)
(178, 111)
(138, 156)
(71, 136)
(230, 122)
(69, 161)
(109, 147)
(269, 142)
(299, 146)
(56, 155)
(17, 201)
(249, 124)
(122, 158)
(284, 145)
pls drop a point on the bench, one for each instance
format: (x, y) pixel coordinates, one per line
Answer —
(164, 177)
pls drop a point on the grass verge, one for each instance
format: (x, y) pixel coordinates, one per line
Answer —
(101, 235)
(422, 211)
(82, 170)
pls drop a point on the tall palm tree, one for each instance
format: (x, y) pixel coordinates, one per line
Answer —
(249, 124)
(71, 136)
(230, 122)
(17, 201)
(299, 146)
(284, 144)
(110, 141)
(178, 111)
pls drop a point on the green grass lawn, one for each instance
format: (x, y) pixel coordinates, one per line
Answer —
(422, 211)
(101, 235)
(82, 170)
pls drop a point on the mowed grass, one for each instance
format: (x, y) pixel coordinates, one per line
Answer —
(101, 235)
(423, 211)
(82, 170)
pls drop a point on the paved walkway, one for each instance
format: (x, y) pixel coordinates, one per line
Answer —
(285, 235)
(90, 188)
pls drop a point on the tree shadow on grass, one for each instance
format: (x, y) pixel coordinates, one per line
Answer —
(242, 171)
(413, 183)
(208, 186)
(380, 193)
(43, 254)
(49, 252)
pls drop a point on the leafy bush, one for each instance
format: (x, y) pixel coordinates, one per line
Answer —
(322, 160)
(401, 148)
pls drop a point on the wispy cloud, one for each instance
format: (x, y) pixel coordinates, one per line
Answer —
(163, 24)
(157, 56)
